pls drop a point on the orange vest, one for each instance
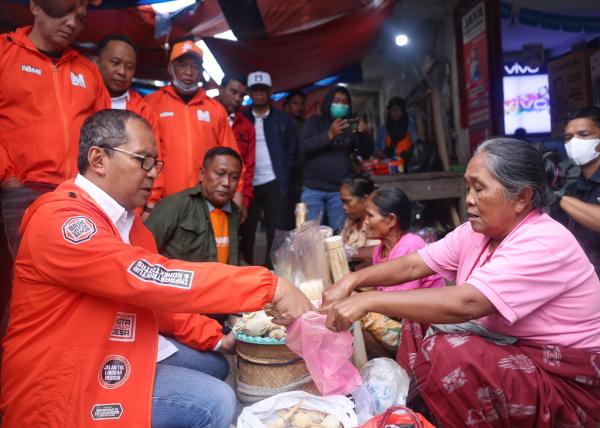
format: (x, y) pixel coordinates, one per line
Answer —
(86, 311)
(42, 107)
(187, 132)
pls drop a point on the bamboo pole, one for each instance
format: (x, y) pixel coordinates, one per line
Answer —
(338, 263)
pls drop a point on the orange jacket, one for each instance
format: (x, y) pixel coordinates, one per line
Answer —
(42, 107)
(84, 319)
(137, 104)
(187, 132)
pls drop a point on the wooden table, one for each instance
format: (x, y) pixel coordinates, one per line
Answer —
(426, 186)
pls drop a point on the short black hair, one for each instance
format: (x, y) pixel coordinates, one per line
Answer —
(106, 127)
(360, 186)
(115, 37)
(221, 151)
(391, 200)
(229, 77)
(592, 113)
(294, 93)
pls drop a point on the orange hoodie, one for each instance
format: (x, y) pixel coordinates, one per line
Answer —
(86, 311)
(42, 107)
(187, 132)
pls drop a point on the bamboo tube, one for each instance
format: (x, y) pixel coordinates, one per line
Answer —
(301, 211)
(338, 263)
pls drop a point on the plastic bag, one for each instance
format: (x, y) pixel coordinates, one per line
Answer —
(261, 414)
(299, 255)
(326, 354)
(387, 382)
(397, 416)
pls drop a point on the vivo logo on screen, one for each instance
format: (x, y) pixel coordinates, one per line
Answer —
(518, 69)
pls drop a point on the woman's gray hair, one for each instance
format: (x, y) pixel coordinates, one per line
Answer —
(517, 165)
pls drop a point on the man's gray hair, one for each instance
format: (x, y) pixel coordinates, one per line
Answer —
(517, 165)
(104, 128)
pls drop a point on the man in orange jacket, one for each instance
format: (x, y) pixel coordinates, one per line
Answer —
(91, 295)
(190, 122)
(47, 91)
(117, 60)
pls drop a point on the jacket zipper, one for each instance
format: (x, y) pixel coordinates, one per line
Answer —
(189, 146)
(64, 119)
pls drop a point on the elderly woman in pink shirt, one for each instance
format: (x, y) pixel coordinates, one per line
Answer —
(517, 341)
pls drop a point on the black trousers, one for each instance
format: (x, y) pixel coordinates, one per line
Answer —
(272, 204)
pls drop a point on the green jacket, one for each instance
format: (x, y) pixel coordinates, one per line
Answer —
(182, 229)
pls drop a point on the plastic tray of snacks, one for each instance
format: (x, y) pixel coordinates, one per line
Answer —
(258, 340)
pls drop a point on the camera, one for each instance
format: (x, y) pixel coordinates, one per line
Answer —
(353, 124)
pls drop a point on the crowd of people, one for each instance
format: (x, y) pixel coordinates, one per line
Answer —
(132, 220)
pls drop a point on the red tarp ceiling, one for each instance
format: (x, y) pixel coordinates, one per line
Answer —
(305, 40)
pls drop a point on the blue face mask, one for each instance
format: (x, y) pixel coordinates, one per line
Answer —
(339, 110)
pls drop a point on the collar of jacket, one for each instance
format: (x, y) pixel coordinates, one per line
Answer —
(199, 98)
(196, 191)
(21, 37)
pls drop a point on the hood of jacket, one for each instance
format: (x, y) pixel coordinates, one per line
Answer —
(329, 98)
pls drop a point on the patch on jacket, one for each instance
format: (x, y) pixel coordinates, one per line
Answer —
(124, 328)
(203, 115)
(78, 229)
(107, 411)
(114, 371)
(160, 275)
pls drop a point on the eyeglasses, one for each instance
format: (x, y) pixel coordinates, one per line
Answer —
(147, 162)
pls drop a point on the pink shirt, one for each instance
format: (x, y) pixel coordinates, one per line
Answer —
(539, 279)
(408, 243)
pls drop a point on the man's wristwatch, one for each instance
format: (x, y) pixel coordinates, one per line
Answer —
(148, 209)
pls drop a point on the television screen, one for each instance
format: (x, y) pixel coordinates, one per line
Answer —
(526, 103)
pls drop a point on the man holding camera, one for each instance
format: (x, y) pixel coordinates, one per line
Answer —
(329, 141)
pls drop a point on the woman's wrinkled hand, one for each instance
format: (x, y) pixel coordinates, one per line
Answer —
(339, 290)
(341, 314)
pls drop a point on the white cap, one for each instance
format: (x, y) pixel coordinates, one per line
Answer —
(259, 78)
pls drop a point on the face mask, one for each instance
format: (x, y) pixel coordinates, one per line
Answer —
(184, 88)
(338, 110)
(581, 151)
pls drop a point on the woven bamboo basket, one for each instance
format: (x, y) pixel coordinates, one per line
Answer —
(271, 366)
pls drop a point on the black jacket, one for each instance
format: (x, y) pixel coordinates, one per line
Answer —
(282, 142)
(327, 163)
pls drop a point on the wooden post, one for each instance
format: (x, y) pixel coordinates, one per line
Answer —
(438, 123)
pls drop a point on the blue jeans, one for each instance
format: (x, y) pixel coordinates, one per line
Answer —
(329, 203)
(189, 391)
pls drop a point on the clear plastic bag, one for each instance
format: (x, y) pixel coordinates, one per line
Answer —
(387, 382)
(300, 256)
(326, 354)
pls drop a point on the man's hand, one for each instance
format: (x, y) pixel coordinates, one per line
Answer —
(341, 314)
(339, 290)
(288, 303)
(227, 344)
(10, 183)
(363, 127)
(238, 199)
(336, 128)
(243, 214)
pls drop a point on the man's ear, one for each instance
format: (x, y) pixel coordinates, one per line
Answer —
(96, 60)
(96, 160)
(170, 70)
(201, 174)
(34, 7)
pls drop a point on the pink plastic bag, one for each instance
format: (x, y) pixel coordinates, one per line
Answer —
(326, 354)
